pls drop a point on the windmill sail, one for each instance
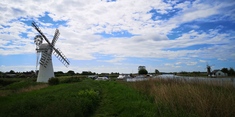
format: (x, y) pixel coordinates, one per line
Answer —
(61, 57)
(45, 59)
(57, 52)
(37, 28)
(56, 36)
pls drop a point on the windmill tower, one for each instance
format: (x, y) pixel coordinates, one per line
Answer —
(208, 67)
(46, 49)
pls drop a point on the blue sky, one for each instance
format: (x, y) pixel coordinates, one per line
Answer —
(120, 35)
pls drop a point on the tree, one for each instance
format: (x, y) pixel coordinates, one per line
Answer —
(143, 71)
(70, 72)
(141, 67)
(156, 71)
(88, 73)
(12, 72)
(231, 71)
(131, 75)
(225, 70)
(59, 73)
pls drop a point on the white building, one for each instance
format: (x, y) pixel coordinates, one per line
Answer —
(218, 73)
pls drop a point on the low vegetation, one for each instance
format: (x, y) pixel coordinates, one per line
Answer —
(74, 99)
(53, 81)
(18, 85)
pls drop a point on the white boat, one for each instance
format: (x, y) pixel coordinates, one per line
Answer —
(102, 78)
(123, 76)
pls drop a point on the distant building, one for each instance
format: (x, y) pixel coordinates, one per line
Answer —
(218, 73)
(123, 76)
(11, 75)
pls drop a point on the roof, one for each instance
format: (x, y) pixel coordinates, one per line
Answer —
(214, 71)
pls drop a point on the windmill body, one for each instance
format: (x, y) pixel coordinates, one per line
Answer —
(45, 69)
(46, 49)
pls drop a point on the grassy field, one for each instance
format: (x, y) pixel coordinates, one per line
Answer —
(84, 98)
(76, 96)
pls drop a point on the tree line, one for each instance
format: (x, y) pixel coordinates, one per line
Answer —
(33, 74)
(229, 71)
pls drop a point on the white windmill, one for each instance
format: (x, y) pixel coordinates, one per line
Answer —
(46, 49)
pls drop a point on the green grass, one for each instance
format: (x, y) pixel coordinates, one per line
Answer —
(83, 98)
(59, 100)
(121, 100)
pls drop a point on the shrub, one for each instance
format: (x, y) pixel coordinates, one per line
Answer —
(53, 81)
(143, 71)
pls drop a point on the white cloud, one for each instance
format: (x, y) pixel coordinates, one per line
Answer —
(178, 63)
(202, 61)
(86, 18)
(171, 65)
(193, 26)
(191, 63)
(222, 59)
(115, 60)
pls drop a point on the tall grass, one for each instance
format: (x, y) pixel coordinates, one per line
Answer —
(19, 86)
(181, 98)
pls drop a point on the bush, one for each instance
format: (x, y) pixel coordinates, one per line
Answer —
(143, 71)
(53, 81)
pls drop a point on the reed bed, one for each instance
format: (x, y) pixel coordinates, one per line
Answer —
(176, 97)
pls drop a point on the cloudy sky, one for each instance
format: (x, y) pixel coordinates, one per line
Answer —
(120, 35)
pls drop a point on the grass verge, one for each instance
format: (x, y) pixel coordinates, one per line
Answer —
(121, 100)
